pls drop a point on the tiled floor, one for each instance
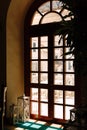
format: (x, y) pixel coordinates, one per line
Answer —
(13, 127)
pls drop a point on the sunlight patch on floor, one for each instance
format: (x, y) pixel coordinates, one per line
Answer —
(19, 128)
(26, 124)
(35, 124)
(51, 128)
(56, 125)
(41, 122)
(31, 120)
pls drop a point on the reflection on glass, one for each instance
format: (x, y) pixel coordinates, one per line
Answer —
(58, 79)
(58, 66)
(44, 41)
(34, 106)
(36, 18)
(69, 79)
(58, 111)
(67, 112)
(34, 94)
(51, 17)
(34, 65)
(58, 96)
(57, 5)
(34, 53)
(44, 53)
(44, 95)
(56, 41)
(44, 78)
(34, 77)
(70, 56)
(44, 66)
(69, 97)
(69, 66)
(34, 42)
(44, 109)
(58, 53)
(44, 8)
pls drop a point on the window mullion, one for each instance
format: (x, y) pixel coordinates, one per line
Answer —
(50, 60)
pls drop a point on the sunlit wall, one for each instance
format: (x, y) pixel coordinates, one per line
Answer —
(15, 47)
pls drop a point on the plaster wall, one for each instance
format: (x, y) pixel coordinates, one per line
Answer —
(15, 50)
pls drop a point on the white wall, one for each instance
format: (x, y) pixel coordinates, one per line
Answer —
(15, 49)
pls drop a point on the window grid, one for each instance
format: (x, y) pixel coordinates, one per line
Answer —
(36, 70)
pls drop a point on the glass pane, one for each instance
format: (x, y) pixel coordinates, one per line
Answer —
(66, 12)
(69, 97)
(58, 79)
(69, 66)
(34, 108)
(58, 66)
(34, 65)
(51, 17)
(44, 66)
(44, 109)
(56, 41)
(67, 112)
(69, 56)
(34, 77)
(44, 42)
(69, 79)
(56, 5)
(58, 96)
(44, 8)
(34, 42)
(36, 18)
(44, 53)
(58, 53)
(44, 78)
(34, 53)
(44, 95)
(34, 94)
(58, 111)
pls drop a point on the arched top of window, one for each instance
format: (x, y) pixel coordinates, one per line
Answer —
(51, 11)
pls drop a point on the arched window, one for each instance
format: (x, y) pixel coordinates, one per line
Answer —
(49, 74)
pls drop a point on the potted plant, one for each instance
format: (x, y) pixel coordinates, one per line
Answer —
(76, 36)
